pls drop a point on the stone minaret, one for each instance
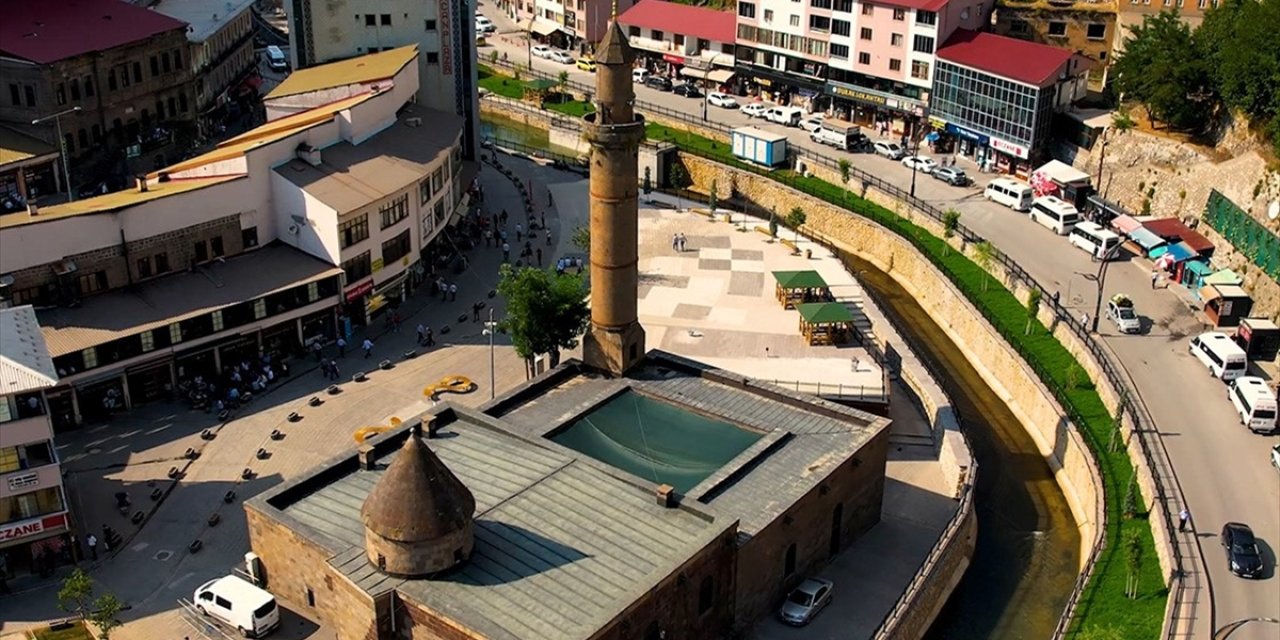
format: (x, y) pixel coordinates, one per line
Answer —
(615, 341)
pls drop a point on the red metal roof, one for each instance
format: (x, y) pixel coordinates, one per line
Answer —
(686, 20)
(1173, 229)
(1018, 60)
(45, 31)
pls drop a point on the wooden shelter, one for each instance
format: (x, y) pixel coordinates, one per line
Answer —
(536, 90)
(825, 323)
(800, 287)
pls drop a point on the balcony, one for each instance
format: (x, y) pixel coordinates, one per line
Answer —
(24, 430)
(45, 476)
(659, 46)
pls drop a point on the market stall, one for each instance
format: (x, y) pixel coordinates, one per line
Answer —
(824, 323)
(1225, 305)
(799, 287)
(1259, 337)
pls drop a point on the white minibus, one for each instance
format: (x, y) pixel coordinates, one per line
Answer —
(237, 602)
(276, 59)
(1224, 358)
(1255, 402)
(1096, 241)
(1015, 194)
(1054, 213)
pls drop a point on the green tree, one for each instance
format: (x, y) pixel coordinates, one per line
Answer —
(562, 81)
(582, 238)
(845, 169)
(1122, 122)
(106, 615)
(546, 312)
(796, 219)
(678, 178)
(493, 56)
(1033, 309)
(1239, 41)
(711, 199)
(1161, 68)
(76, 597)
(985, 256)
(950, 222)
(1133, 551)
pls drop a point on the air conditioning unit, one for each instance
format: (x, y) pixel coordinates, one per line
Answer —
(413, 122)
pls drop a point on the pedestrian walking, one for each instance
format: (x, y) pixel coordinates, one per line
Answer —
(506, 252)
(1155, 277)
(1084, 320)
(1184, 517)
(453, 292)
(551, 201)
(519, 231)
(317, 349)
(431, 337)
(422, 333)
(488, 237)
(92, 540)
(475, 311)
(367, 345)
(503, 218)
(684, 242)
(333, 369)
(542, 220)
(539, 256)
(395, 321)
(342, 347)
(675, 242)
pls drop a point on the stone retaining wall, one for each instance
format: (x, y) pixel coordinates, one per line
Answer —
(936, 589)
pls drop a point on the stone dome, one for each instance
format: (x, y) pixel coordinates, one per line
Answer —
(418, 518)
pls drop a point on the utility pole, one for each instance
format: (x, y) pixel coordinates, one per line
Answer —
(491, 328)
(62, 147)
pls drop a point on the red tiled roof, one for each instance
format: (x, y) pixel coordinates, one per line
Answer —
(1019, 60)
(45, 31)
(686, 20)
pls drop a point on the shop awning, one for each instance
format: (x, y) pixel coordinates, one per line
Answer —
(544, 27)
(720, 76)
(1200, 268)
(697, 74)
(1145, 239)
(799, 280)
(1125, 224)
(1226, 276)
(1209, 293)
(1180, 252)
(824, 313)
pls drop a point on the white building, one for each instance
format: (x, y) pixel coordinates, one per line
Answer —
(681, 40)
(259, 245)
(327, 30)
(34, 519)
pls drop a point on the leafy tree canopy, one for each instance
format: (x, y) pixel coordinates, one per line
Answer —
(545, 312)
(1240, 40)
(1161, 68)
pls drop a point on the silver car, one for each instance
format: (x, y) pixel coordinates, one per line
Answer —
(805, 601)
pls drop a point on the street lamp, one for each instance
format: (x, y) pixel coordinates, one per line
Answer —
(62, 147)
(490, 328)
(528, 44)
(1100, 279)
(1230, 627)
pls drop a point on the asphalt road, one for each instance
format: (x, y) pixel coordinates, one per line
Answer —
(1223, 468)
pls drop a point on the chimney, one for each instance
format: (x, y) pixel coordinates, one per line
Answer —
(432, 426)
(366, 458)
(309, 154)
(141, 181)
(666, 496)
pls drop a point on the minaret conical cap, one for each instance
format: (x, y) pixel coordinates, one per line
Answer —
(417, 499)
(614, 48)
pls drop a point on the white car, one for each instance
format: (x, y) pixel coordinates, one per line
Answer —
(923, 164)
(485, 25)
(561, 57)
(722, 100)
(541, 50)
(812, 123)
(755, 109)
(889, 150)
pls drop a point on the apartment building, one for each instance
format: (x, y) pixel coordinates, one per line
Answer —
(682, 41)
(126, 69)
(444, 31)
(34, 523)
(575, 25)
(1087, 27)
(28, 168)
(289, 233)
(221, 58)
(869, 62)
(1131, 12)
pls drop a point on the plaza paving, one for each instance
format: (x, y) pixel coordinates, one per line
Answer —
(154, 569)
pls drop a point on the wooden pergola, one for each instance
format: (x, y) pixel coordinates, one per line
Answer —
(825, 323)
(536, 90)
(799, 287)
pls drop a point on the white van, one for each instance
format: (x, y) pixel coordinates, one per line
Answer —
(276, 59)
(1255, 402)
(638, 76)
(1096, 241)
(235, 601)
(1015, 194)
(1055, 213)
(789, 116)
(1224, 358)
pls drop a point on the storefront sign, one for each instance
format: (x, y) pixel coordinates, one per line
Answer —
(966, 134)
(446, 37)
(937, 123)
(24, 481)
(360, 290)
(1010, 148)
(673, 59)
(28, 528)
(378, 265)
(856, 95)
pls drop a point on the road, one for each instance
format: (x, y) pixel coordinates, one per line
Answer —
(1223, 468)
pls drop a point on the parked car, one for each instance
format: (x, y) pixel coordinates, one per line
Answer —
(862, 144)
(687, 90)
(1242, 550)
(923, 164)
(812, 123)
(587, 63)
(638, 76)
(658, 82)
(952, 176)
(485, 25)
(1120, 312)
(889, 150)
(541, 50)
(805, 601)
(722, 100)
(755, 109)
(561, 57)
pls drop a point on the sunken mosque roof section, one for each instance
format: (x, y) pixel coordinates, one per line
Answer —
(563, 544)
(802, 438)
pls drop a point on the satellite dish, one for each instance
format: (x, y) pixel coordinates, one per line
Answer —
(1273, 211)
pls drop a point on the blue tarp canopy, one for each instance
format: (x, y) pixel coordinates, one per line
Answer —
(1182, 252)
(1199, 267)
(1147, 240)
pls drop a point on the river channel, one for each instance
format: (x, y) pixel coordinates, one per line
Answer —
(1028, 547)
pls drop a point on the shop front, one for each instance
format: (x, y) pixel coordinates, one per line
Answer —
(355, 303)
(803, 88)
(36, 545)
(878, 111)
(989, 152)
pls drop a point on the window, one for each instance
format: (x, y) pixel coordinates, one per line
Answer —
(313, 291)
(864, 34)
(148, 340)
(864, 58)
(182, 102)
(385, 19)
(922, 44)
(840, 27)
(394, 211)
(202, 252)
(137, 72)
(899, 14)
(795, 20)
(1018, 26)
(868, 8)
(424, 191)
(15, 95)
(164, 62)
(30, 505)
(249, 237)
(677, 39)
(1097, 31)
(259, 308)
(919, 70)
(215, 247)
(177, 58)
(926, 17)
(396, 248)
(353, 231)
(844, 5)
(82, 137)
(433, 57)
(75, 88)
(370, 20)
(218, 322)
(839, 51)
(768, 15)
(1057, 28)
(88, 86)
(144, 267)
(431, 25)
(437, 180)
(175, 333)
(820, 4)
(706, 595)
(60, 94)
(162, 263)
(31, 95)
(111, 79)
(357, 267)
(895, 39)
(90, 357)
(155, 65)
(895, 65)
(789, 566)
(93, 282)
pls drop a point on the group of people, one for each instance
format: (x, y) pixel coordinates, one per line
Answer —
(679, 242)
(238, 384)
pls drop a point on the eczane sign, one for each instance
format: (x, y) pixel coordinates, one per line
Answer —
(35, 526)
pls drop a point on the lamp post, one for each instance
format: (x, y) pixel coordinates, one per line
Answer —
(528, 44)
(62, 146)
(1229, 628)
(915, 160)
(490, 328)
(1100, 280)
